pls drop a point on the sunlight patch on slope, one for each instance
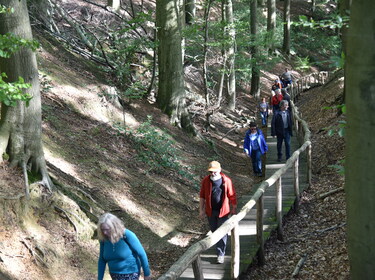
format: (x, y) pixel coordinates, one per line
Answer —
(145, 217)
(59, 162)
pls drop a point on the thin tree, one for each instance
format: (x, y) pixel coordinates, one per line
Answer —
(255, 75)
(20, 125)
(207, 8)
(230, 35)
(271, 23)
(171, 96)
(286, 17)
(360, 143)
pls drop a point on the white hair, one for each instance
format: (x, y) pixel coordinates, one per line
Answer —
(116, 226)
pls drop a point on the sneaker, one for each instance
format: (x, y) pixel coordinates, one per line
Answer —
(279, 159)
(220, 259)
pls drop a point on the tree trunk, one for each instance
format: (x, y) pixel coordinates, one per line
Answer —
(360, 143)
(255, 77)
(171, 96)
(231, 35)
(271, 23)
(286, 43)
(344, 11)
(190, 9)
(114, 4)
(20, 126)
(206, 14)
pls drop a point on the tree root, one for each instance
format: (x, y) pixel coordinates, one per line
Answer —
(33, 252)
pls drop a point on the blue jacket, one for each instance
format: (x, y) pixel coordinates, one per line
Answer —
(123, 257)
(261, 141)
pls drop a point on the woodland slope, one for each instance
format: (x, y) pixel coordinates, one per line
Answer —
(125, 158)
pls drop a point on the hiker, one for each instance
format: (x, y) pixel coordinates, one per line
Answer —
(286, 78)
(286, 97)
(121, 250)
(276, 85)
(281, 127)
(255, 146)
(263, 110)
(217, 194)
(275, 100)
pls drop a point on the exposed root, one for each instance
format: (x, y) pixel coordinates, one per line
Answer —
(65, 212)
(35, 254)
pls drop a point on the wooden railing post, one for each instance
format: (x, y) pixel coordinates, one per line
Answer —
(296, 183)
(235, 244)
(260, 239)
(279, 209)
(309, 164)
(197, 268)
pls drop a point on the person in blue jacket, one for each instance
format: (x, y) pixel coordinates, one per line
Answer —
(121, 250)
(255, 146)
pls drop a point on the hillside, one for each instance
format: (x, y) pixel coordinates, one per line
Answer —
(127, 159)
(99, 164)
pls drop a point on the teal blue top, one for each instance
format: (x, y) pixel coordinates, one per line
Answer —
(123, 257)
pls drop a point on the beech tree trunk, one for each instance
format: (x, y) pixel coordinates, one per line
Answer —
(360, 141)
(20, 126)
(171, 96)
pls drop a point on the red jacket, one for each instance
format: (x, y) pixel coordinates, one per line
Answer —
(229, 195)
(276, 99)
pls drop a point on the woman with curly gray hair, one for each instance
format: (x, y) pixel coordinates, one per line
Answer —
(121, 250)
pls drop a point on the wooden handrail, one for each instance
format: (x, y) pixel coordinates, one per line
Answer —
(192, 255)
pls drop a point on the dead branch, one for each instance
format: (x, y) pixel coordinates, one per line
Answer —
(299, 266)
(73, 24)
(319, 231)
(324, 195)
(331, 228)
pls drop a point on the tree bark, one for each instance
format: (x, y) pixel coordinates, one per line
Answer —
(20, 126)
(286, 42)
(171, 96)
(255, 77)
(360, 143)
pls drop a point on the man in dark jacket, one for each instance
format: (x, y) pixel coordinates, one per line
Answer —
(282, 128)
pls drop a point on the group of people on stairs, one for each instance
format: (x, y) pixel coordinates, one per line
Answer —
(121, 249)
(217, 194)
(281, 126)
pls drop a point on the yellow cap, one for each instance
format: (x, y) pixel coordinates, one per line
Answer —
(214, 166)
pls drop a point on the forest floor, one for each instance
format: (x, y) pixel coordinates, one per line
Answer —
(96, 153)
